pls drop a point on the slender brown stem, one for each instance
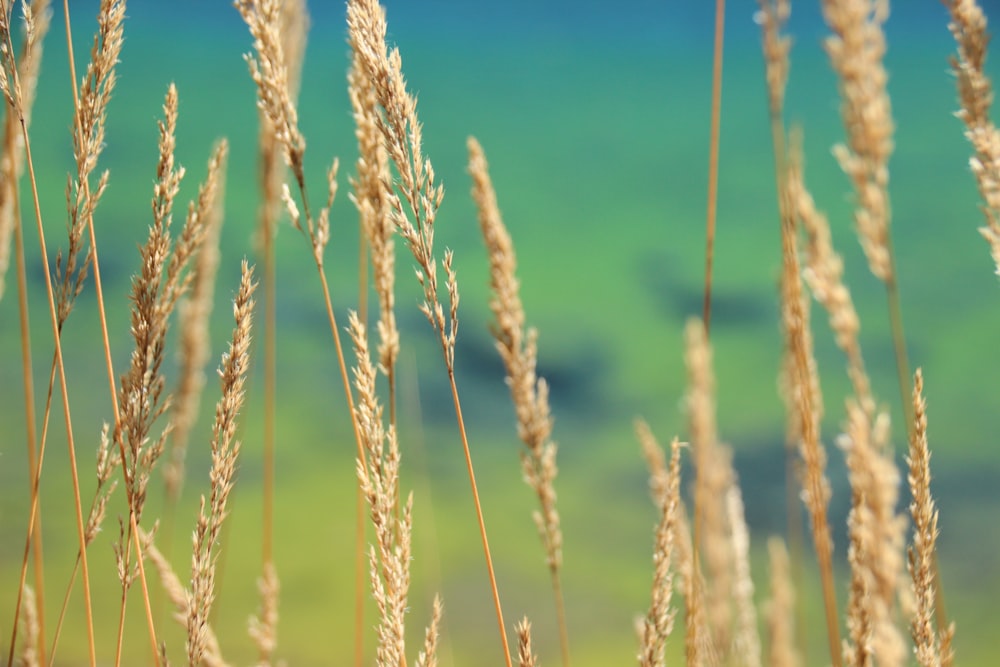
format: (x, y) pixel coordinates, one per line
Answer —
(270, 387)
(58, 351)
(359, 536)
(98, 286)
(340, 359)
(65, 395)
(479, 515)
(359, 518)
(560, 615)
(713, 161)
(34, 462)
(903, 377)
(359, 580)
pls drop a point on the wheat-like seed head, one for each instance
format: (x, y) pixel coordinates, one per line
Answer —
(779, 610)
(525, 654)
(856, 49)
(664, 482)
(225, 451)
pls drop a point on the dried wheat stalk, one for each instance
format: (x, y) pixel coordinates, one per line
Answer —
(525, 654)
(780, 610)
(664, 482)
(856, 49)
(378, 475)
(194, 313)
(975, 94)
(37, 18)
(932, 649)
(401, 134)
(804, 389)
(225, 451)
(713, 477)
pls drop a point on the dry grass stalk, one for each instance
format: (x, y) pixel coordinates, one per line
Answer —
(279, 39)
(664, 482)
(428, 656)
(225, 451)
(108, 460)
(156, 290)
(10, 85)
(371, 197)
(519, 351)
(401, 133)
(931, 649)
(181, 599)
(875, 551)
(779, 611)
(856, 49)
(804, 388)
(975, 94)
(194, 313)
(141, 397)
(876, 533)
(92, 101)
(713, 159)
(772, 17)
(31, 647)
(698, 647)
(36, 26)
(746, 639)
(271, 72)
(525, 654)
(378, 475)
(713, 477)
(823, 272)
(263, 627)
(161, 282)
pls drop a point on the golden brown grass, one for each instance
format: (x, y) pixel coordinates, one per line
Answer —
(706, 559)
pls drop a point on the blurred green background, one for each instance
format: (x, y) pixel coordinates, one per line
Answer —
(595, 120)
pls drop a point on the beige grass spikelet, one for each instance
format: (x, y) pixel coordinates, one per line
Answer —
(195, 311)
(779, 610)
(525, 654)
(746, 649)
(36, 27)
(519, 351)
(378, 475)
(225, 452)
(713, 476)
(856, 50)
(930, 648)
(664, 482)
(975, 94)
(875, 550)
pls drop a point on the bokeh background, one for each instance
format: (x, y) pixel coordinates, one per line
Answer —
(595, 118)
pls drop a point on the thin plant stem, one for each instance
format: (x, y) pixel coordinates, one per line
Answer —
(479, 513)
(62, 379)
(557, 591)
(98, 287)
(359, 579)
(359, 514)
(270, 386)
(34, 461)
(713, 162)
